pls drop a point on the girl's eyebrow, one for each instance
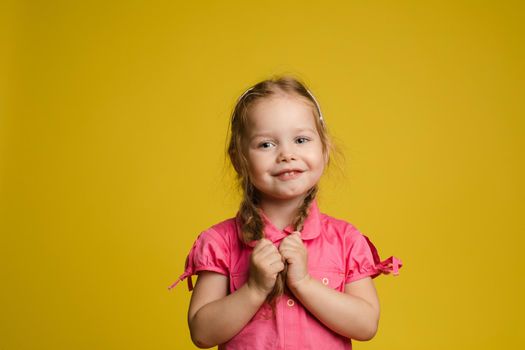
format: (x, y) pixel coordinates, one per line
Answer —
(305, 129)
(261, 134)
(269, 134)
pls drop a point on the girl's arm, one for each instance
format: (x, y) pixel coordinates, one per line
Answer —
(214, 316)
(353, 314)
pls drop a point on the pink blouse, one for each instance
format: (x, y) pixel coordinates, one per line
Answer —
(338, 254)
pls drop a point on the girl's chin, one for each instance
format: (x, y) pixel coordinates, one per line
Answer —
(284, 196)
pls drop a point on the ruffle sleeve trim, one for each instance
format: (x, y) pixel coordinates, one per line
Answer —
(190, 272)
(205, 255)
(377, 267)
(390, 265)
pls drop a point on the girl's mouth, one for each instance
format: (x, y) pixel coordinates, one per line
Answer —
(289, 175)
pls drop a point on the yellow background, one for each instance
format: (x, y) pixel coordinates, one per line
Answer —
(113, 128)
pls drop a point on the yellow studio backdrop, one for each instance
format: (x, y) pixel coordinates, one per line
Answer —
(113, 128)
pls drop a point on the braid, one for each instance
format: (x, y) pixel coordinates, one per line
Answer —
(280, 283)
(304, 209)
(252, 224)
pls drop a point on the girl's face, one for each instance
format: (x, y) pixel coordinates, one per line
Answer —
(283, 148)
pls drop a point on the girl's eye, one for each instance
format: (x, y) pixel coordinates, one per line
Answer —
(302, 140)
(265, 144)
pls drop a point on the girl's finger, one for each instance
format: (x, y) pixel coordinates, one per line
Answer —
(274, 258)
(294, 237)
(268, 251)
(263, 247)
(277, 266)
(291, 244)
(289, 253)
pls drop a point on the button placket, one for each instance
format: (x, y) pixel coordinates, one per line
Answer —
(291, 310)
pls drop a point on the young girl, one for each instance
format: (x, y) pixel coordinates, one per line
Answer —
(281, 274)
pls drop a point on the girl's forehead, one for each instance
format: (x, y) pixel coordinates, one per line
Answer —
(281, 107)
(282, 98)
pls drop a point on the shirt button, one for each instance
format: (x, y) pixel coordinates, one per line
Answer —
(325, 281)
(290, 302)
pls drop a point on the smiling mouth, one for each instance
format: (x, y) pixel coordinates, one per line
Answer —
(289, 175)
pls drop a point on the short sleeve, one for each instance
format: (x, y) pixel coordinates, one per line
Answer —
(363, 259)
(208, 253)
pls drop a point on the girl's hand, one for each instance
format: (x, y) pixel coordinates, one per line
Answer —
(265, 264)
(295, 254)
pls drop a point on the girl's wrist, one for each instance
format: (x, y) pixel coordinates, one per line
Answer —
(301, 285)
(256, 294)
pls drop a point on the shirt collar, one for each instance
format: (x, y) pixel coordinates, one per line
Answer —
(311, 227)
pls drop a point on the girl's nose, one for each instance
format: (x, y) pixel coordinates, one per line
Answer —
(286, 157)
(286, 152)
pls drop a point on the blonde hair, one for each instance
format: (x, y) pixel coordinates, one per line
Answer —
(252, 224)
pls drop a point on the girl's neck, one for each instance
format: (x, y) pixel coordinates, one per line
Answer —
(281, 212)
